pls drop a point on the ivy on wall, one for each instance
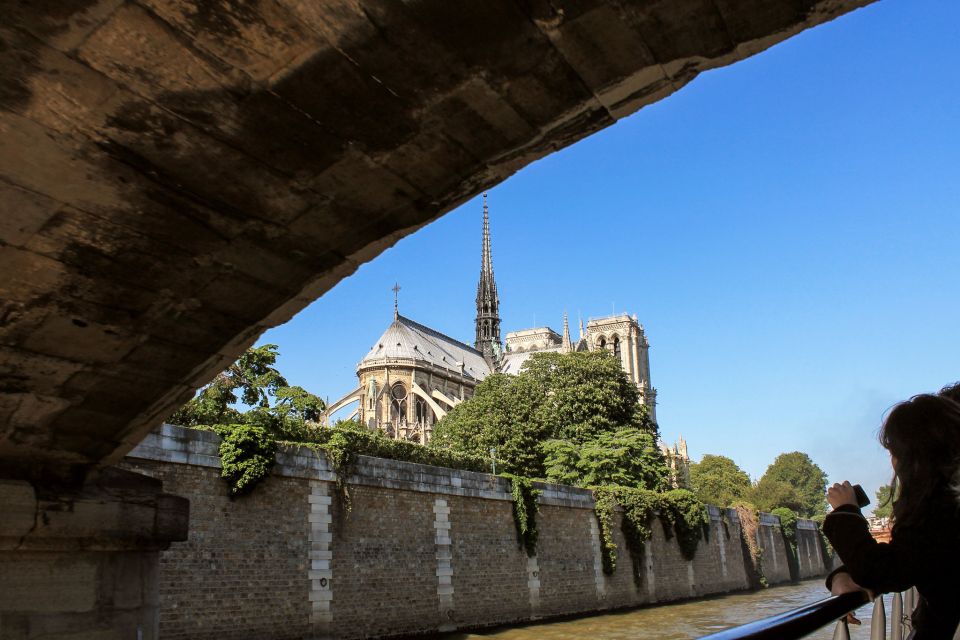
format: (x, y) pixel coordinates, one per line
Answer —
(688, 519)
(680, 513)
(525, 511)
(247, 455)
(788, 528)
(605, 503)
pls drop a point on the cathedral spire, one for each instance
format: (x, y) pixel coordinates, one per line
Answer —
(582, 333)
(567, 346)
(488, 302)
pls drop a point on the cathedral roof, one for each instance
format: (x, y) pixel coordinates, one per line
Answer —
(406, 339)
(513, 361)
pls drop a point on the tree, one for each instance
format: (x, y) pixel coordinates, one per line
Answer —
(627, 457)
(798, 471)
(588, 393)
(769, 494)
(281, 410)
(884, 504)
(502, 415)
(572, 397)
(717, 480)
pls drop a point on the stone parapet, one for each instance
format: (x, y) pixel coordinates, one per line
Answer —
(181, 445)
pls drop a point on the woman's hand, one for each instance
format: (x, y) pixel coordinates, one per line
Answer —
(843, 583)
(841, 494)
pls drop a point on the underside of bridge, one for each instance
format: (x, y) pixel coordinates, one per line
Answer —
(178, 176)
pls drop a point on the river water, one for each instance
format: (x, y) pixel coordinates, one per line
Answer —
(690, 619)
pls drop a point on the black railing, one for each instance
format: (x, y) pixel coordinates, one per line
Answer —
(798, 622)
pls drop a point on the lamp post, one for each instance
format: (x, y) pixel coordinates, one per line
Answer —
(493, 459)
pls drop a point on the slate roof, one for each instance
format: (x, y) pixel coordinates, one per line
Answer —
(514, 360)
(406, 339)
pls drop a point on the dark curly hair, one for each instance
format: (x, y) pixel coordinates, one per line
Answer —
(923, 435)
(951, 391)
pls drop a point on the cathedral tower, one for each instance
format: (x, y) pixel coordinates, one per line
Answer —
(488, 303)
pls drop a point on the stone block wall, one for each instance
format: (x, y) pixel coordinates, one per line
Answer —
(810, 551)
(421, 549)
(776, 567)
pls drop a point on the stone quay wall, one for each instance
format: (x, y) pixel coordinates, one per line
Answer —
(422, 549)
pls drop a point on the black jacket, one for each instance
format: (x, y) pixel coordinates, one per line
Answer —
(925, 555)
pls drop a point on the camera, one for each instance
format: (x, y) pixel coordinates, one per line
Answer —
(862, 499)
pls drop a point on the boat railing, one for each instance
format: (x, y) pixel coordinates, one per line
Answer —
(802, 621)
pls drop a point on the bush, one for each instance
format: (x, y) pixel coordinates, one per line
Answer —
(247, 455)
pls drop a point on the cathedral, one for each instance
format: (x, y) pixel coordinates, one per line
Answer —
(414, 375)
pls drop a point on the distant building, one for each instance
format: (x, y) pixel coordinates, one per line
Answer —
(414, 375)
(678, 463)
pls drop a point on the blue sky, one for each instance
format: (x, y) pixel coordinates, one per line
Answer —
(786, 229)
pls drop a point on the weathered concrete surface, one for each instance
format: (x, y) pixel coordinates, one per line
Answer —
(85, 564)
(175, 176)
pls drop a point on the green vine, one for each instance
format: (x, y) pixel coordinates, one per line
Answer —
(639, 508)
(525, 511)
(605, 503)
(343, 446)
(681, 515)
(688, 517)
(247, 455)
(788, 529)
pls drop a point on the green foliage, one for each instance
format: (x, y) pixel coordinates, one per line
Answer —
(254, 381)
(788, 523)
(605, 503)
(688, 517)
(797, 471)
(717, 480)
(627, 457)
(884, 504)
(825, 545)
(681, 515)
(502, 413)
(769, 494)
(525, 512)
(586, 393)
(247, 454)
(346, 440)
(639, 508)
(788, 527)
(583, 400)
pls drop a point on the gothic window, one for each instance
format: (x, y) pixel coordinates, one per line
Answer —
(422, 410)
(398, 403)
(602, 342)
(616, 346)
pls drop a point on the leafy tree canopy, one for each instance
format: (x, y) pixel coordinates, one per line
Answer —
(626, 457)
(587, 393)
(580, 410)
(883, 508)
(798, 471)
(717, 480)
(769, 494)
(280, 410)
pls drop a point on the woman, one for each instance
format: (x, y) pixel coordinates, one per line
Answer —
(923, 438)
